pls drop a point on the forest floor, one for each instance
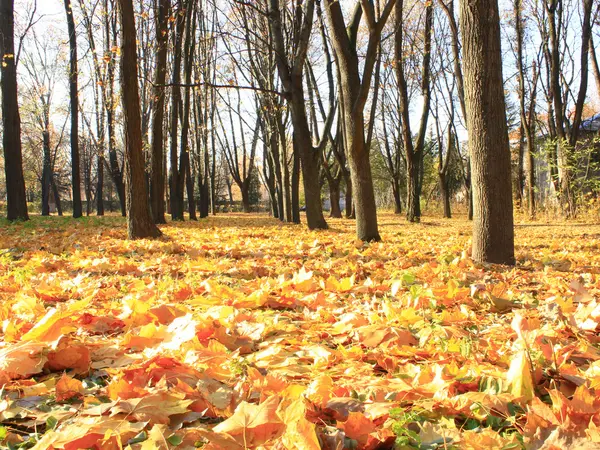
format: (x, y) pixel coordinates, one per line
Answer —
(240, 332)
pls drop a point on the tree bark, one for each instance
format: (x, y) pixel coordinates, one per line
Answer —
(116, 173)
(397, 196)
(184, 156)
(11, 136)
(291, 74)
(74, 99)
(493, 234)
(354, 88)
(176, 199)
(414, 151)
(157, 177)
(46, 174)
(139, 218)
(334, 198)
(445, 193)
(100, 185)
(295, 186)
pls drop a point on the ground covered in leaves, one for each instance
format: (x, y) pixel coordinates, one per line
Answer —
(240, 332)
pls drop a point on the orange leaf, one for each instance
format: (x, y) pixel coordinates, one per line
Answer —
(358, 427)
(299, 434)
(69, 355)
(67, 388)
(253, 425)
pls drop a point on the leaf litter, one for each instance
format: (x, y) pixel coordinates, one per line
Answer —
(243, 333)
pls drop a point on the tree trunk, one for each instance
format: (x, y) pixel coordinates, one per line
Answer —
(414, 151)
(470, 203)
(520, 185)
(531, 176)
(157, 177)
(46, 174)
(295, 187)
(349, 200)
(309, 159)
(413, 199)
(56, 194)
(139, 218)
(245, 189)
(291, 76)
(11, 136)
(287, 184)
(184, 157)
(445, 193)
(493, 234)
(362, 183)
(100, 185)
(74, 98)
(397, 196)
(334, 198)
(176, 199)
(116, 173)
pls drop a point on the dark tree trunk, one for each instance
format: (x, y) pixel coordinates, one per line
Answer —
(74, 99)
(413, 199)
(397, 196)
(139, 218)
(334, 199)
(470, 203)
(520, 181)
(310, 161)
(445, 193)
(414, 151)
(245, 189)
(349, 199)
(184, 156)
(287, 184)
(176, 199)
(291, 75)
(364, 207)
(56, 195)
(354, 87)
(295, 197)
(157, 176)
(100, 185)
(493, 234)
(274, 146)
(116, 173)
(11, 136)
(46, 174)
(527, 119)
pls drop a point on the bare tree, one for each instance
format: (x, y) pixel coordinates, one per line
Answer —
(354, 88)
(157, 176)
(290, 65)
(414, 150)
(74, 97)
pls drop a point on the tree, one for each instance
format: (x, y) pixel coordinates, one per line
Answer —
(354, 88)
(157, 177)
(175, 174)
(241, 166)
(74, 97)
(414, 151)
(527, 114)
(291, 70)
(139, 219)
(11, 136)
(567, 131)
(493, 233)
